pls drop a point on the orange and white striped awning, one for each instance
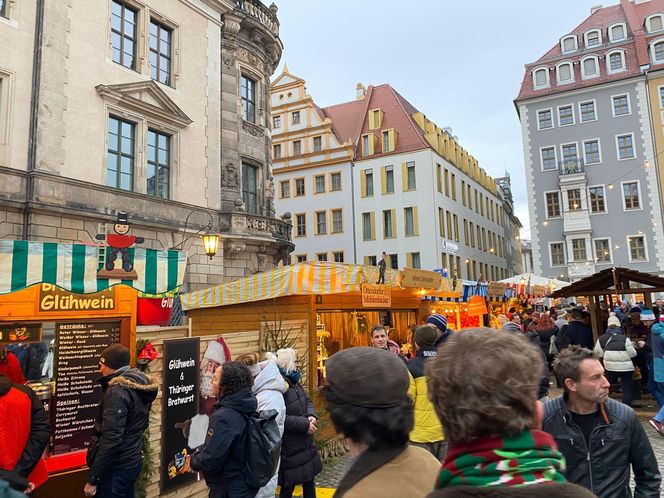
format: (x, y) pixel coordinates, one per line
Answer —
(297, 279)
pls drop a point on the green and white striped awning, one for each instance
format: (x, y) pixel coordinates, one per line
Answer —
(74, 267)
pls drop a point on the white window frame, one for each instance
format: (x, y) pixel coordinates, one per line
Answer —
(585, 246)
(624, 27)
(548, 79)
(597, 262)
(562, 242)
(573, 115)
(562, 44)
(555, 155)
(585, 76)
(599, 147)
(562, 156)
(649, 20)
(607, 60)
(589, 200)
(661, 96)
(553, 121)
(651, 49)
(629, 105)
(594, 101)
(622, 195)
(558, 66)
(633, 147)
(587, 33)
(560, 204)
(645, 247)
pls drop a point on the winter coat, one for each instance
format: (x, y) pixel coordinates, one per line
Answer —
(603, 465)
(658, 351)
(24, 432)
(269, 388)
(31, 357)
(580, 334)
(12, 368)
(408, 472)
(7, 492)
(617, 351)
(427, 428)
(122, 417)
(223, 457)
(545, 339)
(300, 461)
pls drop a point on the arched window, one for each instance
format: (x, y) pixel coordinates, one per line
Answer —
(589, 67)
(657, 51)
(654, 22)
(541, 78)
(592, 38)
(568, 44)
(615, 62)
(617, 32)
(565, 73)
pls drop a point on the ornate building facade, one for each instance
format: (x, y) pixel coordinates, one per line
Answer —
(157, 108)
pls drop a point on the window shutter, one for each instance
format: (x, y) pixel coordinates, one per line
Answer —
(372, 121)
(416, 224)
(363, 184)
(409, 260)
(404, 177)
(372, 217)
(394, 223)
(393, 139)
(366, 261)
(372, 143)
(383, 180)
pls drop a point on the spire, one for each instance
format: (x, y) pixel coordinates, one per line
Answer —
(285, 70)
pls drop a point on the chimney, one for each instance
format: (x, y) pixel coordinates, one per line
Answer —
(360, 91)
(595, 8)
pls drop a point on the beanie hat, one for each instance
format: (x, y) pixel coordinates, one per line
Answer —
(115, 356)
(368, 377)
(425, 336)
(635, 309)
(438, 321)
(613, 320)
(661, 317)
(647, 315)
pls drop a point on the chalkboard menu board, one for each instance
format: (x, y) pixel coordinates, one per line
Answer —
(76, 368)
(180, 402)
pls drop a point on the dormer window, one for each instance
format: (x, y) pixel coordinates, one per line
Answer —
(655, 23)
(569, 44)
(541, 78)
(615, 62)
(589, 67)
(617, 32)
(657, 51)
(565, 73)
(592, 38)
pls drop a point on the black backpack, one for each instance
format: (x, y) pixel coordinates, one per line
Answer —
(263, 448)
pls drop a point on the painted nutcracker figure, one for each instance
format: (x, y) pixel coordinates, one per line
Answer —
(119, 242)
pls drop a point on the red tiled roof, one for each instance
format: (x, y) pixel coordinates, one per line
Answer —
(345, 118)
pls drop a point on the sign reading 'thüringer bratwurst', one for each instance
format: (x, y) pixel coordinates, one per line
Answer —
(54, 299)
(376, 296)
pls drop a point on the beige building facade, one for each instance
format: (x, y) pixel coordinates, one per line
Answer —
(159, 108)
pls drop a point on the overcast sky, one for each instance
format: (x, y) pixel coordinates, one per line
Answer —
(460, 63)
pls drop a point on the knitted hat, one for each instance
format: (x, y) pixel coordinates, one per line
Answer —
(425, 337)
(635, 309)
(647, 315)
(661, 317)
(613, 320)
(115, 356)
(438, 321)
(368, 377)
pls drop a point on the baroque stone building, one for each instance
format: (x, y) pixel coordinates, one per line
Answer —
(157, 108)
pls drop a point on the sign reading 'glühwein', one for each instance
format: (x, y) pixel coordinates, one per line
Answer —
(376, 296)
(54, 299)
(76, 370)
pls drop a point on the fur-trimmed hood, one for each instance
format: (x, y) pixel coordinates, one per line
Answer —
(132, 378)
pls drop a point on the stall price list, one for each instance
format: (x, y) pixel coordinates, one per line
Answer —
(77, 394)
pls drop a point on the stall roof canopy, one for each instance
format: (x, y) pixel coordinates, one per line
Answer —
(301, 278)
(613, 281)
(532, 280)
(74, 267)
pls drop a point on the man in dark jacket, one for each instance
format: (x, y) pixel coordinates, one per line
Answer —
(24, 432)
(579, 332)
(114, 455)
(223, 458)
(599, 437)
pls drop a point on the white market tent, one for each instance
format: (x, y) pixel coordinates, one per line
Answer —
(531, 279)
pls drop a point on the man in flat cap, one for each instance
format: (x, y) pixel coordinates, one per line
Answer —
(367, 399)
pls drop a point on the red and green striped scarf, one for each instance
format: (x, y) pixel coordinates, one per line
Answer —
(530, 458)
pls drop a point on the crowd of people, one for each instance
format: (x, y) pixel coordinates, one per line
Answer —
(467, 414)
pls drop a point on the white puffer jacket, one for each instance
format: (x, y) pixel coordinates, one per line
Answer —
(616, 358)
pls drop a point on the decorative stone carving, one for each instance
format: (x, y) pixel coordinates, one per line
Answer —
(256, 37)
(252, 129)
(273, 8)
(252, 59)
(239, 206)
(230, 176)
(269, 189)
(262, 262)
(234, 248)
(229, 60)
(230, 28)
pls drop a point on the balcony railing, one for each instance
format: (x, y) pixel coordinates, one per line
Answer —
(261, 225)
(571, 166)
(256, 9)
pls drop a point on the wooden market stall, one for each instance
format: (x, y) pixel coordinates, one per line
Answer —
(601, 288)
(51, 299)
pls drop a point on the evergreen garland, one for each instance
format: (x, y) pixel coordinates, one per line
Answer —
(147, 460)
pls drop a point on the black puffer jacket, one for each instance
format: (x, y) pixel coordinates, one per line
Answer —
(603, 465)
(122, 418)
(299, 458)
(223, 458)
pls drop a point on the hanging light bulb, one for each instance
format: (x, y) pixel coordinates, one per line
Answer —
(610, 186)
(545, 223)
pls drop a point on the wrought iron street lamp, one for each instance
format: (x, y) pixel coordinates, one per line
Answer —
(210, 237)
